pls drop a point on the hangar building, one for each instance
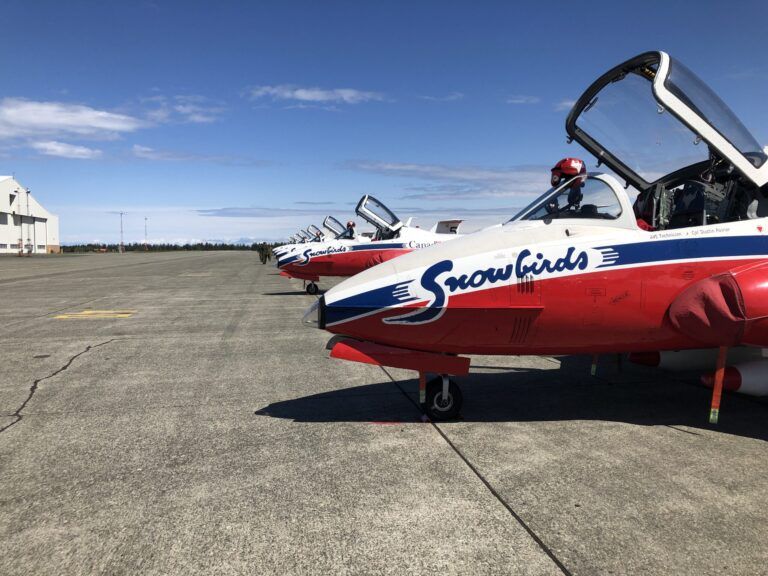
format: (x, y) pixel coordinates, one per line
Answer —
(24, 224)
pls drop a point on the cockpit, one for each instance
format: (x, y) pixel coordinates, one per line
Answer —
(589, 198)
(374, 212)
(670, 137)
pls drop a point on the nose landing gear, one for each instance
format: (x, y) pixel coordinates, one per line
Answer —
(442, 399)
(312, 289)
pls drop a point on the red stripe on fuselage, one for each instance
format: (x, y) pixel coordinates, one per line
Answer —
(618, 310)
(344, 264)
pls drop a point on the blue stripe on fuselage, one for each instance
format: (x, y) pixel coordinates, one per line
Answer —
(395, 246)
(652, 252)
(686, 248)
(379, 246)
(359, 304)
(288, 260)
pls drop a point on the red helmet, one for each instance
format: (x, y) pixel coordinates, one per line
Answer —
(351, 224)
(568, 168)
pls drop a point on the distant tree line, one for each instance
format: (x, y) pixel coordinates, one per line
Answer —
(140, 247)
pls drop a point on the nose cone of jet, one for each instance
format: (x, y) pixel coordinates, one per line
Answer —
(369, 292)
(288, 258)
(418, 300)
(380, 296)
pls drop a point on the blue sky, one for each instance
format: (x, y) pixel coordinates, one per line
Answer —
(233, 120)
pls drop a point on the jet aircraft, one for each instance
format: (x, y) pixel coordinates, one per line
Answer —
(346, 256)
(583, 270)
(330, 223)
(335, 231)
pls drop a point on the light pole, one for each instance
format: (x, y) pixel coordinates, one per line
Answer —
(27, 245)
(122, 246)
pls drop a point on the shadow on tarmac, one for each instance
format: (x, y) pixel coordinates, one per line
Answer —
(636, 396)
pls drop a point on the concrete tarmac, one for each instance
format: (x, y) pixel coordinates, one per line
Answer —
(168, 414)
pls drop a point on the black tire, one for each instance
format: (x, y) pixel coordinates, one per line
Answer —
(312, 289)
(436, 407)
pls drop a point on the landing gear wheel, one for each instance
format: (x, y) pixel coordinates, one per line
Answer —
(312, 288)
(440, 406)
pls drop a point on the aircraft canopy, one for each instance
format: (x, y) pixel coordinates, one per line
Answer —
(315, 232)
(333, 226)
(651, 117)
(377, 214)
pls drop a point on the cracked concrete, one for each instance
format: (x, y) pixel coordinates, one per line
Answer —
(17, 414)
(213, 435)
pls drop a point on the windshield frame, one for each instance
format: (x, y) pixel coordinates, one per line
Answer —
(625, 219)
(541, 198)
(598, 150)
(699, 125)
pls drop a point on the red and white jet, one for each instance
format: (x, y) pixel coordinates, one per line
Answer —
(333, 229)
(349, 255)
(582, 270)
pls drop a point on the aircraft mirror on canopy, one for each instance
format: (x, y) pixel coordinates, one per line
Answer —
(333, 226)
(377, 214)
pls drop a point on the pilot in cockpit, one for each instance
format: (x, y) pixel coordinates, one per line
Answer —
(566, 169)
(349, 233)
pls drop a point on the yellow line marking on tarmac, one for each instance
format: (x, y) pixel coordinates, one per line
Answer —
(95, 314)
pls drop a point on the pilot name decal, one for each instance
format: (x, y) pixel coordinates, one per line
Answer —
(526, 265)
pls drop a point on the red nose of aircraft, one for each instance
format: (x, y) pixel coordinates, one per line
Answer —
(424, 301)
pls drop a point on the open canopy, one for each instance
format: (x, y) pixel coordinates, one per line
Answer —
(651, 117)
(315, 232)
(333, 226)
(377, 214)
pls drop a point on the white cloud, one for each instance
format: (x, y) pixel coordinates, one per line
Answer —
(457, 182)
(183, 108)
(147, 153)
(196, 114)
(175, 224)
(564, 105)
(28, 118)
(452, 97)
(63, 150)
(523, 99)
(312, 94)
(326, 107)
